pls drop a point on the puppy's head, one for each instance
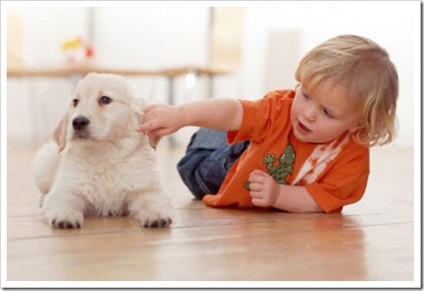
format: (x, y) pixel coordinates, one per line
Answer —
(101, 109)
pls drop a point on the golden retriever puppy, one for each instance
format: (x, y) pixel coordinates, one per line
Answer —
(96, 164)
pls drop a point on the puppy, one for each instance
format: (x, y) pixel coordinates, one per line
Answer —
(96, 164)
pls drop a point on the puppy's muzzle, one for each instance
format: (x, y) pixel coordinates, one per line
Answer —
(80, 123)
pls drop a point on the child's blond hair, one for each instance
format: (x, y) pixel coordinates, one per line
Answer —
(365, 71)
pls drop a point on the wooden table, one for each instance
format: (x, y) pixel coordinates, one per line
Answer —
(81, 71)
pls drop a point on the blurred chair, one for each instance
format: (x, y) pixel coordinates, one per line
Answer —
(225, 46)
(225, 42)
(14, 41)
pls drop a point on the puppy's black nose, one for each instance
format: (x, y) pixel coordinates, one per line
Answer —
(80, 122)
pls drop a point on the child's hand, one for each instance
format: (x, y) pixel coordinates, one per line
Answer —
(160, 119)
(264, 190)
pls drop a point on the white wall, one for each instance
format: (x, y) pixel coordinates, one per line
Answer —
(147, 36)
(44, 28)
(151, 37)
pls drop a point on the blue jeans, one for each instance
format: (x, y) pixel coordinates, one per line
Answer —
(207, 161)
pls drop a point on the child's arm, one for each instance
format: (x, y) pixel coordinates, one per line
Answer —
(265, 192)
(163, 119)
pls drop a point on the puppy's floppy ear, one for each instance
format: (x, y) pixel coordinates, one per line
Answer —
(61, 131)
(154, 141)
(138, 108)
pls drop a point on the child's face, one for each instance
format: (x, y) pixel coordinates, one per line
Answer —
(323, 115)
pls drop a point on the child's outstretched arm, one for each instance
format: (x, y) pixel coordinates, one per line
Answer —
(164, 119)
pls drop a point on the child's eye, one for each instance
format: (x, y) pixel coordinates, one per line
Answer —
(328, 113)
(306, 96)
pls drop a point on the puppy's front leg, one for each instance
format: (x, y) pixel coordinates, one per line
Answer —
(152, 209)
(63, 209)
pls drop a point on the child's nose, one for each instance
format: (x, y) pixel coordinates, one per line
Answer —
(309, 113)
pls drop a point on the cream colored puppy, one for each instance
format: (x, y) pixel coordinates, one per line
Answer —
(97, 164)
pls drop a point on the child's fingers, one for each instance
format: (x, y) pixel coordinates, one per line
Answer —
(257, 176)
(149, 108)
(146, 127)
(258, 173)
(255, 187)
(259, 202)
(141, 128)
(160, 131)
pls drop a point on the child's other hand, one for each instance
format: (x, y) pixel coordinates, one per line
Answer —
(160, 119)
(264, 189)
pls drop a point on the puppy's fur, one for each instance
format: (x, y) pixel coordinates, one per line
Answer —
(96, 164)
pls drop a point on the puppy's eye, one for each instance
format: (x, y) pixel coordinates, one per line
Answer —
(104, 100)
(75, 102)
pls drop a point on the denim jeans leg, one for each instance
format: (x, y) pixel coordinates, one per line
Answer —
(207, 161)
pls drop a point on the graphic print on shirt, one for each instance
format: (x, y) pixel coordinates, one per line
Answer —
(283, 168)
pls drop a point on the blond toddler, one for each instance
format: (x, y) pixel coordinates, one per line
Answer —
(300, 150)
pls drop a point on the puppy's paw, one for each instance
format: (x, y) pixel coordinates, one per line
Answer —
(155, 218)
(67, 219)
(153, 211)
(157, 222)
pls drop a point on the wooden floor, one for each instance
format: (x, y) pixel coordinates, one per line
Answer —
(372, 241)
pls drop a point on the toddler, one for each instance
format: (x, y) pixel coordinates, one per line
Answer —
(301, 150)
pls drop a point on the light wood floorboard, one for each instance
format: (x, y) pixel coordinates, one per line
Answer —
(372, 240)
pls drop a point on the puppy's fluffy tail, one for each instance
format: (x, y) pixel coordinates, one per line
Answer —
(45, 164)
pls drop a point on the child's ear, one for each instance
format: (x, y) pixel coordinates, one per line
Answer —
(357, 126)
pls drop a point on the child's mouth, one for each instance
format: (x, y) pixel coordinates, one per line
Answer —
(302, 128)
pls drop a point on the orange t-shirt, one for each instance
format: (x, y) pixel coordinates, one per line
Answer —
(335, 174)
